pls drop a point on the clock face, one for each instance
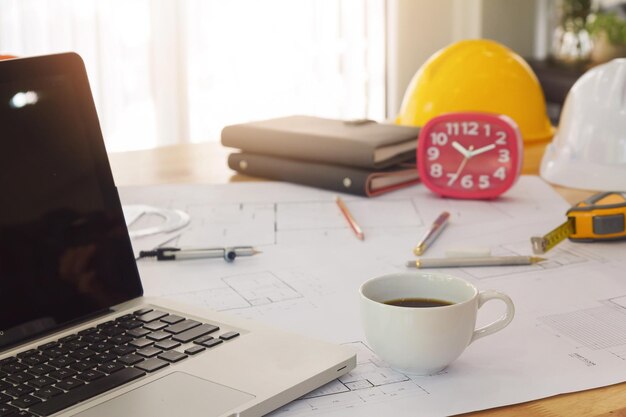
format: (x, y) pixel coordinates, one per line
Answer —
(469, 155)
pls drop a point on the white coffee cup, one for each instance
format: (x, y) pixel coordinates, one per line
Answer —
(424, 340)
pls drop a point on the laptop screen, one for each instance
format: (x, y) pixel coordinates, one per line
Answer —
(64, 247)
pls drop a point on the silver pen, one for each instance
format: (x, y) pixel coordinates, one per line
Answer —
(172, 254)
(473, 261)
(435, 230)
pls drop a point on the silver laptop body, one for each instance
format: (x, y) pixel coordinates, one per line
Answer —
(76, 335)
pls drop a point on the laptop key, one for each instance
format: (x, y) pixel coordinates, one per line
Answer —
(182, 326)
(155, 325)
(130, 359)
(83, 365)
(172, 356)
(141, 343)
(27, 353)
(120, 340)
(23, 413)
(142, 311)
(149, 352)
(133, 324)
(13, 368)
(136, 333)
(112, 331)
(61, 374)
(172, 319)
(48, 392)
(41, 381)
(82, 354)
(105, 357)
(87, 331)
(229, 335)
(26, 401)
(48, 345)
(53, 352)
(202, 339)
(101, 347)
(4, 385)
(123, 349)
(196, 332)
(19, 391)
(110, 368)
(69, 384)
(106, 324)
(94, 338)
(212, 343)
(76, 344)
(151, 365)
(34, 360)
(69, 338)
(151, 316)
(125, 317)
(19, 378)
(166, 344)
(62, 361)
(4, 398)
(158, 336)
(41, 369)
(90, 375)
(6, 410)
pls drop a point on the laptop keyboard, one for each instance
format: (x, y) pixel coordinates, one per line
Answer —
(63, 373)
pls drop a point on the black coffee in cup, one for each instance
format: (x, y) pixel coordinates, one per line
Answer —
(418, 302)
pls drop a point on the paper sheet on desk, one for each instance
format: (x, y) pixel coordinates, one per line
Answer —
(569, 332)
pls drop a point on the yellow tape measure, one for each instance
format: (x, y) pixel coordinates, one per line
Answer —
(600, 217)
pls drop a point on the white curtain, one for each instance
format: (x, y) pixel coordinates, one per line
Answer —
(168, 71)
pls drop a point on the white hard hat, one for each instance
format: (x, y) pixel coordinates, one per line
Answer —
(589, 148)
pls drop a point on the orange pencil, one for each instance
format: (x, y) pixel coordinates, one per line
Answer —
(353, 224)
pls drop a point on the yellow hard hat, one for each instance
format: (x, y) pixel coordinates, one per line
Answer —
(477, 75)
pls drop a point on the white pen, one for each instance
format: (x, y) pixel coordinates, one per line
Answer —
(173, 254)
(435, 230)
(473, 261)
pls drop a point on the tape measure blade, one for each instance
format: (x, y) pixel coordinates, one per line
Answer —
(553, 238)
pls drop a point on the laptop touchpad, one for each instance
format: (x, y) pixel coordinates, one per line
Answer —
(177, 394)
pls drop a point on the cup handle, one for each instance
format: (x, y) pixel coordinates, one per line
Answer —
(501, 322)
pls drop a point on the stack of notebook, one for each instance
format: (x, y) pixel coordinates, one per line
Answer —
(356, 157)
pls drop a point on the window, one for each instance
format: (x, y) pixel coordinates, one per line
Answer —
(167, 71)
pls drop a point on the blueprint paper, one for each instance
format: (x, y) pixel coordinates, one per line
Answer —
(568, 334)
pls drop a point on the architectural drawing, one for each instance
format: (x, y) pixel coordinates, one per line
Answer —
(371, 380)
(596, 328)
(241, 291)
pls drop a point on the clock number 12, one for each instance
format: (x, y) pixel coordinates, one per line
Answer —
(465, 128)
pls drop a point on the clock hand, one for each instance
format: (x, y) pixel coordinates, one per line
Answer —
(482, 150)
(456, 145)
(468, 155)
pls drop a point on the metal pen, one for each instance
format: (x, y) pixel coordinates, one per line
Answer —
(473, 261)
(172, 254)
(435, 230)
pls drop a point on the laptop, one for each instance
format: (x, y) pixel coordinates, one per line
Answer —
(76, 335)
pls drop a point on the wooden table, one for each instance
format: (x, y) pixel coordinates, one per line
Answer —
(206, 163)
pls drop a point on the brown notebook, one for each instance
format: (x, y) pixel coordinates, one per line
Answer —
(364, 144)
(330, 177)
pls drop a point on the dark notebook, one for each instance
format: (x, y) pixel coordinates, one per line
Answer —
(331, 177)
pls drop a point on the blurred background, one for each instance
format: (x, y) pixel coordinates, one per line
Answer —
(171, 71)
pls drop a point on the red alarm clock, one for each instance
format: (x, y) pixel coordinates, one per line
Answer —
(469, 155)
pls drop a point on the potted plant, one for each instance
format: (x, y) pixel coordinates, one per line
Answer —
(608, 31)
(571, 42)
